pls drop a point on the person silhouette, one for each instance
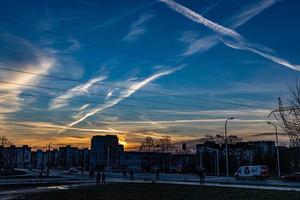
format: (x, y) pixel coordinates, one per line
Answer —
(98, 178)
(201, 175)
(103, 178)
(157, 174)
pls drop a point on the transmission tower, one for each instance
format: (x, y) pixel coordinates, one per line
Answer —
(291, 128)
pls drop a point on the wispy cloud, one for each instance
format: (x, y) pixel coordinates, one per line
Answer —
(248, 12)
(180, 121)
(84, 107)
(118, 18)
(31, 59)
(229, 36)
(54, 127)
(138, 28)
(78, 90)
(256, 113)
(201, 45)
(245, 14)
(110, 93)
(126, 93)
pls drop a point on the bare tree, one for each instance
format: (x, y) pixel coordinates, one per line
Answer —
(148, 144)
(220, 139)
(4, 142)
(233, 139)
(164, 144)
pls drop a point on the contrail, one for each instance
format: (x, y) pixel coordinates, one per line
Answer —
(55, 126)
(205, 43)
(201, 20)
(84, 87)
(248, 13)
(187, 121)
(232, 38)
(125, 94)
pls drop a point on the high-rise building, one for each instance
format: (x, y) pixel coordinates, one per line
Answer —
(105, 152)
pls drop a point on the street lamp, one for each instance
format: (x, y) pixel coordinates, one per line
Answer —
(226, 146)
(277, 147)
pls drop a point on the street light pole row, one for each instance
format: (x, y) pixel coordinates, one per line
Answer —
(226, 147)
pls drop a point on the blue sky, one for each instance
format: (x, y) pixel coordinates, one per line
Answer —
(226, 58)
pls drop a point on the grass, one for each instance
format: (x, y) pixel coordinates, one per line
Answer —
(131, 191)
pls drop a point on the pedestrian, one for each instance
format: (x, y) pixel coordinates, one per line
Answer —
(124, 174)
(201, 175)
(157, 174)
(103, 178)
(98, 178)
(131, 175)
(90, 174)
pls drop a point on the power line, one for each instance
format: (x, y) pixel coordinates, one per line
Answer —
(81, 101)
(115, 86)
(73, 100)
(92, 43)
(94, 94)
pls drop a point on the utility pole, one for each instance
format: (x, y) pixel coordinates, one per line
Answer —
(48, 160)
(200, 159)
(83, 157)
(108, 157)
(218, 168)
(226, 146)
(277, 147)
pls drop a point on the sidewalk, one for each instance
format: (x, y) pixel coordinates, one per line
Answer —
(6, 195)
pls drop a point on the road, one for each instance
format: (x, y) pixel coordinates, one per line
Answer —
(67, 181)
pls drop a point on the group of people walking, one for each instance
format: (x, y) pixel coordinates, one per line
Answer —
(100, 178)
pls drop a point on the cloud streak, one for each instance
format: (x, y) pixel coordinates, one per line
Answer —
(229, 37)
(249, 12)
(57, 127)
(244, 15)
(60, 101)
(180, 121)
(125, 94)
(137, 28)
(32, 59)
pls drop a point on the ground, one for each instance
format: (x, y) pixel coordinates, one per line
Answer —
(5, 174)
(153, 191)
(9, 187)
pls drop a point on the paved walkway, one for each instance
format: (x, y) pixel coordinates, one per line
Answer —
(5, 195)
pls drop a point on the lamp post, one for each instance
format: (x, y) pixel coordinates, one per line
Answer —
(226, 146)
(277, 147)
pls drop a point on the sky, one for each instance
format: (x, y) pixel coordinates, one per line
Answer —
(138, 68)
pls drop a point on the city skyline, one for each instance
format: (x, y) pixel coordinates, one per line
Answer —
(144, 68)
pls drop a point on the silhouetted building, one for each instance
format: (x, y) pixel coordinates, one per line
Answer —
(69, 156)
(106, 152)
(146, 161)
(23, 156)
(240, 153)
(183, 163)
